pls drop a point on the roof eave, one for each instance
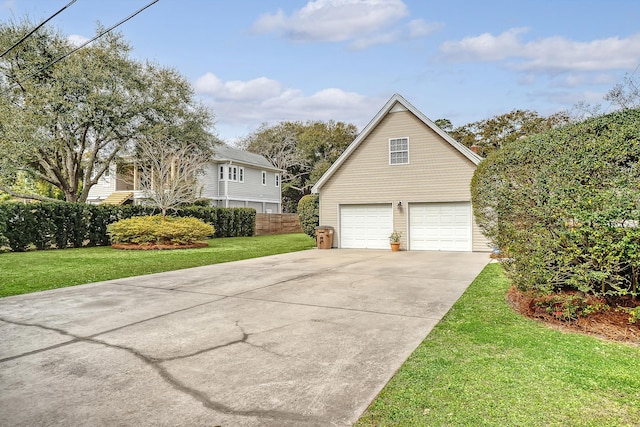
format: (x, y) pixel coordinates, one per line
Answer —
(470, 155)
(243, 163)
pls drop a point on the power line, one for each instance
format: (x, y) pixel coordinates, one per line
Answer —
(36, 28)
(55, 61)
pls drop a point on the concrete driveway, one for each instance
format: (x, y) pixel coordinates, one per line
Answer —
(302, 339)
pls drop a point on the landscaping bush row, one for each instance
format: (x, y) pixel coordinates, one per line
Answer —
(564, 206)
(46, 225)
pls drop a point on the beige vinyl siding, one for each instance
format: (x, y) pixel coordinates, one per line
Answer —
(436, 172)
(479, 241)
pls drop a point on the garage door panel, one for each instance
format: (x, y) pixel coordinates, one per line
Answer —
(440, 226)
(365, 226)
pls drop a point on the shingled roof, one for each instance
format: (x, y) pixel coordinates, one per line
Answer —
(224, 153)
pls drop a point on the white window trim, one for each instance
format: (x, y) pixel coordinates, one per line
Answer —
(232, 173)
(106, 177)
(264, 178)
(399, 151)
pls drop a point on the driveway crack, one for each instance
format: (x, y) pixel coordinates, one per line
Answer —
(171, 380)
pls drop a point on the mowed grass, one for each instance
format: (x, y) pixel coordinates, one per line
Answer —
(484, 365)
(33, 271)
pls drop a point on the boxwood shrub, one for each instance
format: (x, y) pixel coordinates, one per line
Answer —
(308, 210)
(564, 206)
(146, 230)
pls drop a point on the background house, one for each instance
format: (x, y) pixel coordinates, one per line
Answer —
(240, 179)
(234, 178)
(402, 173)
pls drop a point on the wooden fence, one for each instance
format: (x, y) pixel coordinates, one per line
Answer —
(277, 224)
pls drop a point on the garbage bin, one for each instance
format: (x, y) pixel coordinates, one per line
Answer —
(324, 236)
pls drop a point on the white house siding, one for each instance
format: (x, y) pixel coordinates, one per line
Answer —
(437, 172)
(104, 187)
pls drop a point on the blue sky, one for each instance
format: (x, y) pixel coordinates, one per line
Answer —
(255, 61)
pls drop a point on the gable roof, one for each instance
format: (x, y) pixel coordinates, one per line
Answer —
(388, 107)
(223, 153)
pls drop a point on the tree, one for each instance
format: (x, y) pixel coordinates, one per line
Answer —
(494, 133)
(67, 123)
(304, 150)
(169, 169)
(444, 124)
(625, 95)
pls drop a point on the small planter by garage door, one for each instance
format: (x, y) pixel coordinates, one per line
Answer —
(395, 246)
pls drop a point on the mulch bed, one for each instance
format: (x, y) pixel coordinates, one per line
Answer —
(612, 324)
(157, 247)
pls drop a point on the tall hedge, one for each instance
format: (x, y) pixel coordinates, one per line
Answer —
(62, 225)
(308, 210)
(564, 206)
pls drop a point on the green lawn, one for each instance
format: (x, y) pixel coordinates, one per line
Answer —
(484, 365)
(33, 271)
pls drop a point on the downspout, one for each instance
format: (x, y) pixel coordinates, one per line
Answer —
(226, 185)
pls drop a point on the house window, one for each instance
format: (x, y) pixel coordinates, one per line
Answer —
(264, 178)
(221, 172)
(241, 174)
(106, 178)
(399, 151)
(233, 173)
(277, 180)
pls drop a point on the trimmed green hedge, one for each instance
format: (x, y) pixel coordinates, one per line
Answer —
(564, 206)
(61, 225)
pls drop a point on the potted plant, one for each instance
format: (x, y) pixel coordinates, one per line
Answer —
(394, 240)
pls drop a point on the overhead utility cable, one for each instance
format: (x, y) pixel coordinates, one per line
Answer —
(36, 28)
(111, 28)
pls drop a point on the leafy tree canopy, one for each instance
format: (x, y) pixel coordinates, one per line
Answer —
(68, 122)
(491, 134)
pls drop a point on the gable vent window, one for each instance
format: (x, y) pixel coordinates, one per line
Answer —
(399, 151)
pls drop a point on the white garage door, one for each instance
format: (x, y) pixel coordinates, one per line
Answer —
(440, 226)
(365, 226)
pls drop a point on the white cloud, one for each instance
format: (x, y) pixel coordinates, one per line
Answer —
(421, 28)
(552, 54)
(333, 20)
(363, 22)
(414, 29)
(256, 89)
(485, 47)
(247, 104)
(77, 40)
